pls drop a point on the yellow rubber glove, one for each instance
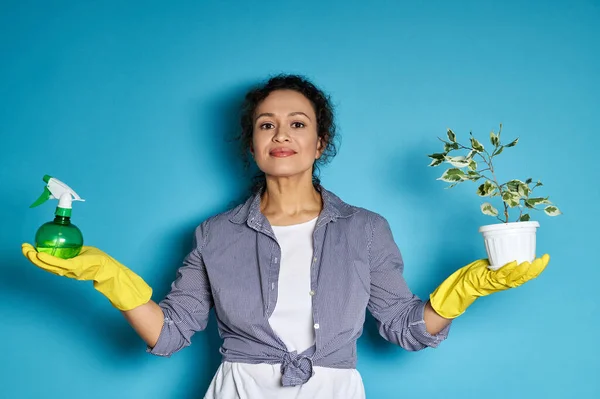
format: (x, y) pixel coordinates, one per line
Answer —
(475, 280)
(123, 288)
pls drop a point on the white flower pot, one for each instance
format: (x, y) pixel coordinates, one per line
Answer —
(507, 242)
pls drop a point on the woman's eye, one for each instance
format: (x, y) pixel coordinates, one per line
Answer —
(298, 125)
(266, 126)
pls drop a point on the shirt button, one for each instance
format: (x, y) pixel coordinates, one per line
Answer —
(311, 293)
(316, 326)
(275, 260)
(315, 259)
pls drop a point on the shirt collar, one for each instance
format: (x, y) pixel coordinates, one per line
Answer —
(333, 208)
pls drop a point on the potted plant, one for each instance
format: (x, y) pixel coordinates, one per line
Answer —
(511, 238)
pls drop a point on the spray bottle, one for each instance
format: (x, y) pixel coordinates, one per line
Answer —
(59, 237)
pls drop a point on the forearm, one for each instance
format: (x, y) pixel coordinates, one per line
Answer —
(434, 323)
(147, 321)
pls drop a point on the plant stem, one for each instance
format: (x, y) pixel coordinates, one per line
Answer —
(495, 180)
(520, 213)
(490, 168)
(484, 176)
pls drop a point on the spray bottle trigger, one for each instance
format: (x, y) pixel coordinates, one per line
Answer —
(46, 195)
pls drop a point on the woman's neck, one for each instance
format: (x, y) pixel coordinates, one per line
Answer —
(286, 202)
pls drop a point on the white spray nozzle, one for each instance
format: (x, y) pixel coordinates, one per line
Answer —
(56, 189)
(63, 193)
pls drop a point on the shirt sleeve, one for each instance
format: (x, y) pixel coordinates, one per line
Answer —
(398, 312)
(186, 307)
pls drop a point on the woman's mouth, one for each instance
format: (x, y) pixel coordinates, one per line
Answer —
(281, 152)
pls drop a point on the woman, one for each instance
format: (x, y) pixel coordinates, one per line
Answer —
(291, 271)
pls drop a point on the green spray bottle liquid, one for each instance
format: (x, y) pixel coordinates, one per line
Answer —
(59, 237)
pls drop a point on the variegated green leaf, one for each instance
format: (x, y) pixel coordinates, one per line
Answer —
(457, 162)
(437, 155)
(473, 176)
(471, 154)
(513, 185)
(528, 181)
(494, 139)
(486, 189)
(535, 201)
(513, 143)
(450, 146)
(472, 165)
(488, 209)
(437, 159)
(498, 151)
(524, 190)
(524, 218)
(451, 136)
(552, 210)
(511, 198)
(453, 175)
(517, 186)
(476, 145)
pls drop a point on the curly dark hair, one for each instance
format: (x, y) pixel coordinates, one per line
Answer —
(326, 128)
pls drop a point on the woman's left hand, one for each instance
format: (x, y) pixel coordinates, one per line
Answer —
(475, 280)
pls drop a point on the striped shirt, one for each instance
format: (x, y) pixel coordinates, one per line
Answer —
(234, 266)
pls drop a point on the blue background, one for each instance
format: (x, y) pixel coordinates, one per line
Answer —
(130, 104)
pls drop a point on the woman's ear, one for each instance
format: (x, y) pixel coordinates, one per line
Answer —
(320, 147)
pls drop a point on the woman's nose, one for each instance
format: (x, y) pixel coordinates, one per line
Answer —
(281, 134)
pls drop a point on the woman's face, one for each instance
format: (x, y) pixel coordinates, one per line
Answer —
(285, 141)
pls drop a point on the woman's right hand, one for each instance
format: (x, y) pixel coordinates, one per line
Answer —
(123, 288)
(451, 298)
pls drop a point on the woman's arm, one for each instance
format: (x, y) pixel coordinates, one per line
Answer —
(403, 318)
(434, 323)
(147, 320)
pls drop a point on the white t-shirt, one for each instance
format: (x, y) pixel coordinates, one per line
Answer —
(292, 321)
